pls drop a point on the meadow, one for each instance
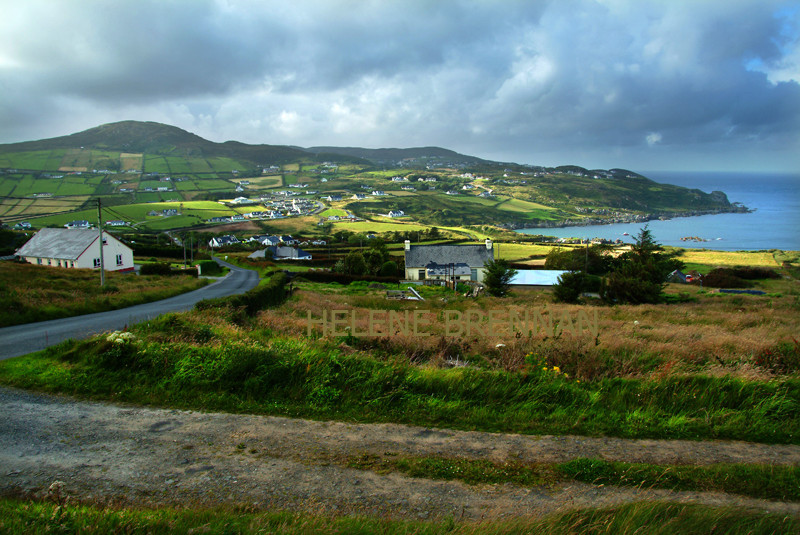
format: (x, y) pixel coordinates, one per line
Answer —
(30, 293)
(707, 366)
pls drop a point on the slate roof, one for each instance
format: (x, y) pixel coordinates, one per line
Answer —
(472, 255)
(441, 270)
(61, 243)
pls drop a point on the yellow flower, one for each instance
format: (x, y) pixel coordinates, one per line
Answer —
(566, 375)
(556, 369)
(545, 368)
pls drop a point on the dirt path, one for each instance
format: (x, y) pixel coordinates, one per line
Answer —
(110, 453)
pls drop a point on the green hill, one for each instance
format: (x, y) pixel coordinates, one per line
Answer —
(162, 139)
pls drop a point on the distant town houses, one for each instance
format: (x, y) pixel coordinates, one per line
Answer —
(22, 225)
(397, 213)
(378, 193)
(358, 196)
(115, 223)
(281, 253)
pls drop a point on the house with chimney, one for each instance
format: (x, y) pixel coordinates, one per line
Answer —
(68, 248)
(445, 262)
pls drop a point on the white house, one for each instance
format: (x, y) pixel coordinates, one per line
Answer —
(82, 224)
(282, 253)
(220, 241)
(397, 213)
(443, 262)
(76, 249)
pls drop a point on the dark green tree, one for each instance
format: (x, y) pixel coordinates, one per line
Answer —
(639, 275)
(497, 278)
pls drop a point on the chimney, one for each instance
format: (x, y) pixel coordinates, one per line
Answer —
(488, 244)
(408, 245)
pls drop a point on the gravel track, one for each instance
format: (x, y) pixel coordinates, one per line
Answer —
(107, 453)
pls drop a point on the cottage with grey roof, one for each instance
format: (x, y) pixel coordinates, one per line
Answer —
(443, 262)
(76, 249)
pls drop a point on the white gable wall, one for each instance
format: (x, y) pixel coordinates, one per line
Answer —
(111, 250)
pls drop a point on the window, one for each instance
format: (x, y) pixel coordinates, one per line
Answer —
(421, 274)
(119, 259)
(97, 262)
(39, 261)
(72, 264)
(473, 274)
(49, 263)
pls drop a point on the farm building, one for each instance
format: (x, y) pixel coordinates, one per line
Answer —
(536, 278)
(442, 262)
(76, 249)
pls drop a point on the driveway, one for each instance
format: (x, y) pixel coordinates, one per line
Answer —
(23, 339)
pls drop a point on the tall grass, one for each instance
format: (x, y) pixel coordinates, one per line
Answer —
(31, 293)
(24, 517)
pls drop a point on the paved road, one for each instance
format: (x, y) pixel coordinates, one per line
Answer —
(23, 339)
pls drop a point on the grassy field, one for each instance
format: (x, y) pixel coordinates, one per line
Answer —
(728, 258)
(36, 293)
(714, 366)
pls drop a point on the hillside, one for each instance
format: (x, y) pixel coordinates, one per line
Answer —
(131, 164)
(157, 138)
(398, 156)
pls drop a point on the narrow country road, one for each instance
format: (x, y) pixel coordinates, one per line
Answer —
(23, 339)
(105, 453)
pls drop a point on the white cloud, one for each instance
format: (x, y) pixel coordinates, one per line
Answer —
(653, 138)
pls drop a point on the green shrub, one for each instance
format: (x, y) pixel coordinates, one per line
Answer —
(158, 268)
(209, 267)
(570, 286)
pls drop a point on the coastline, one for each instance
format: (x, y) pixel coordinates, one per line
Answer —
(628, 219)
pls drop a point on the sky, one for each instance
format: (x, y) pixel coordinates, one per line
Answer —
(638, 84)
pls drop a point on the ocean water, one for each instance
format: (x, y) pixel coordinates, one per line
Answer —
(774, 223)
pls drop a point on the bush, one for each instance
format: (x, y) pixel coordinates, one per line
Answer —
(754, 273)
(209, 267)
(570, 287)
(158, 268)
(622, 288)
(265, 295)
(497, 278)
(725, 278)
(388, 269)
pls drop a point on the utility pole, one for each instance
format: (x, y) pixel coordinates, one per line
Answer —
(100, 227)
(586, 261)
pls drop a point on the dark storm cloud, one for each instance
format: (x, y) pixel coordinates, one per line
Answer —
(523, 80)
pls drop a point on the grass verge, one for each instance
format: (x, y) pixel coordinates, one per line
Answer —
(24, 517)
(30, 293)
(198, 362)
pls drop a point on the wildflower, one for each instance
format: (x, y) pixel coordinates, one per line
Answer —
(636, 322)
(556, 369)
(544, 368)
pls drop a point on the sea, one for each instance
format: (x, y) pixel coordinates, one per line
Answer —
(774, 222)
